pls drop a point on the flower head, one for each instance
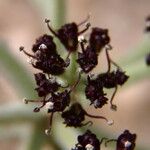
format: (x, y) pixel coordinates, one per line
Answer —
(60, 101)
(87, 60)
(94, 92)
(88, 141)
(126, 141)
(45, 86)
(99, 38)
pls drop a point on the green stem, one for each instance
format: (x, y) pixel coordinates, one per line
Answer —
(15, 71)
(60, 12)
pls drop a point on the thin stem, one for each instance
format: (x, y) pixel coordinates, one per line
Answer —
(48, 131)
(108, 60)
(49, 27)
(89, 122)
(82, 46)
(76, 83)
(44, 102)
(115, 64)
(114, 107)
(84, 30)
(26, 53)
(26, 101)
(99, 117)
(103, 139)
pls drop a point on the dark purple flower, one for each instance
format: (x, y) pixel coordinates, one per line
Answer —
(68, 35)
(112, 79)
(45, 56)
(45, 86)
(94, 88)
(121, 77)
(94, 92)
(58, 101)
(88, 141)
(87, 60)
(54, 65)
(76, 115)
(99, 38)
(45, 44)
(126, 141)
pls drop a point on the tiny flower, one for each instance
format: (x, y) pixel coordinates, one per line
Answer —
(88, 141)
(76, 115)
(45, 86)
(99, 38)
(121, 77)
(59, 101)
(49, 105)
(87, 60)
(112, 80)
(45, 43)
(94, 92)
(68, 34)
(50, 63)
(126, 141)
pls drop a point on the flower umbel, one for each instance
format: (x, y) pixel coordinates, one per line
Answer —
(66, 100)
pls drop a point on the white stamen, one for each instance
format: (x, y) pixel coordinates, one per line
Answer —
(79, 70)
(103, 36)
(47, 131)
(61, 82)
(110, 122)
(49, 105)
(25, 101)
(53, 79)
(127, 144)
(81, 38)
(42, 46)
(89, 147)
(93, 76)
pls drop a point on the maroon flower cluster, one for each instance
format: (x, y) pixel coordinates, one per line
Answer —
(57, 98)
(89, 141)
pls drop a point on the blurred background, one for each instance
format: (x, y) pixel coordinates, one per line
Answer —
(22, 21)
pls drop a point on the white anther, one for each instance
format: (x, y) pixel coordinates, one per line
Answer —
(89, 147)
(60, 81)
(53, 79)
(103, 36)
(93, 76)
(49, 105)
(25, 101)
(127, 144)
(79, 70)
(47, 131)
(42, 46)
(110, 122)
(81, 38)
